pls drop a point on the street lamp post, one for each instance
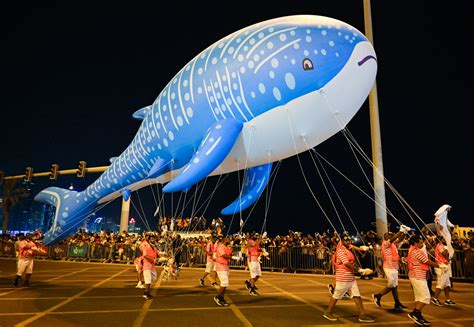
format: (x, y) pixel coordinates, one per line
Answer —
(379, 183)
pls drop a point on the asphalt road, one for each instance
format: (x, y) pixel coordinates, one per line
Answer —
(94, 294)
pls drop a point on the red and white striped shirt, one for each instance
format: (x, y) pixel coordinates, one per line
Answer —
(439, 257)
(210, 248)
(390, 255)
(417, 263)
(343, 256)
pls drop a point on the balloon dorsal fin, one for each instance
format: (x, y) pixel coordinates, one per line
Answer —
(140, 114)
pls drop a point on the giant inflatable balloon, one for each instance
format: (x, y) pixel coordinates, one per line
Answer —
(262, 94)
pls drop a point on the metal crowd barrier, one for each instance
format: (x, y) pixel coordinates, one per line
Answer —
(294, 259)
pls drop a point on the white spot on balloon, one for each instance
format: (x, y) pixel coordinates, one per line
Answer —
(324, 32)
(251, 64)
(186, 96)
(323, 52)
(219, 126)
(331, 43)
(308, 38)
(171, 135)
(271, 74)
(242, 70)
(290, 81)
(240, 57)
(261, 88)
(230, 50)
(274, 62)
(179, 120)
(256, 57)
(270, 45)
(282, 37)
(276, 93)
(306, 53)
(252, 94)
(165, 142)
(196, 160)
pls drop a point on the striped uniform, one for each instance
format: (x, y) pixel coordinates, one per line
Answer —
(390, 255)
(417, 273)
(390, 263)
(442, 280)
(210, 263)
(417, 259)
(345, 281)
(343, 255)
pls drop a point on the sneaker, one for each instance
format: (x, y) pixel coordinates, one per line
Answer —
(214, 284)
(331, 289)
(449, 302)
(26, 284)
(148, 296)
(218, 301)
(435, 301)
(377, 297)
(15, 282)
(329, 316)
(253, 292)
(400, 306)
(365, 318)
(416, 318)
(201, 281)
(424, 321)
(248, 286)
(224, 303)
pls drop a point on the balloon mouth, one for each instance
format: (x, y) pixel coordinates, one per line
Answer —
(365, 59)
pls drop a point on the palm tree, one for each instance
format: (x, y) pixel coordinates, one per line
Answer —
(12, 194)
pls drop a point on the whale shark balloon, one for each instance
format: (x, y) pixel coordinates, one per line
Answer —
(262, 94)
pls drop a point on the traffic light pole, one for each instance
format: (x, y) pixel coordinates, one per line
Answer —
(62, 172)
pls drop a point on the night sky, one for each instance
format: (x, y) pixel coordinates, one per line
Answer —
(72, 75)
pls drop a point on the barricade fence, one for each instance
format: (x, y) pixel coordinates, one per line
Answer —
(285, 259)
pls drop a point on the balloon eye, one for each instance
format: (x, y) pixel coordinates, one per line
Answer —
(307, 64)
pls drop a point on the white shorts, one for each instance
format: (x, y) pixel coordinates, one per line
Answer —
(420, 290)
(149, 276)
(210, 267)
(223, 278)
(24, 266)
(255, 269)
(346, 287)
(442, 280)
(392, 277)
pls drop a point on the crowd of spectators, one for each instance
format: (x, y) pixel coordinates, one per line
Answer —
(172, 239)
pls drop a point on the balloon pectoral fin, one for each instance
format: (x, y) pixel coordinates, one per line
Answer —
(214, 148)
(256, 178)
(159, 168)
